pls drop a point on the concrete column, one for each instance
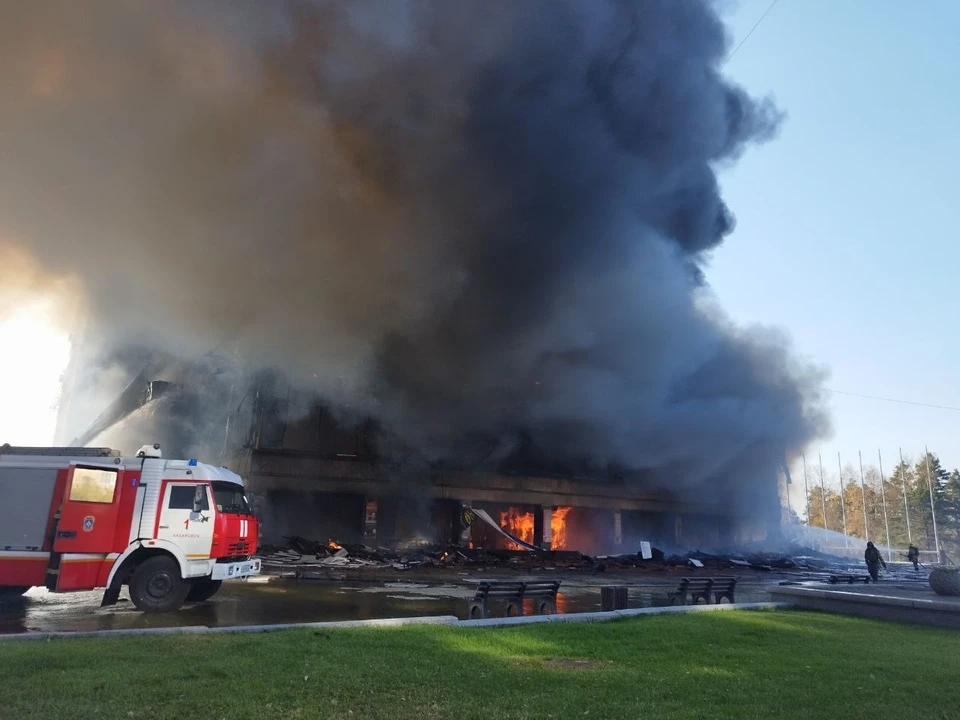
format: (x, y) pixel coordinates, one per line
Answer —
(370, 522)
(538, 525)
(387, 520)
(546, 518)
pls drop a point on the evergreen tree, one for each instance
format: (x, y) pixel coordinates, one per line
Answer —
(906, 479)
(875, 506)
(929, 478)
(901, 525)
(948, 513)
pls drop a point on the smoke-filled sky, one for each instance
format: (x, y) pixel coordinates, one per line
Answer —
(467, 218)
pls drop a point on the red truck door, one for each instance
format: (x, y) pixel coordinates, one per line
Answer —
(88, 520)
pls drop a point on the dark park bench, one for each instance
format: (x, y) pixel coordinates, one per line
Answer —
(850, 579)
(710, 590)
(512, 594)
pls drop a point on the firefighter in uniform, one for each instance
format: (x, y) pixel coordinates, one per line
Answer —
(874, 561)
(913, 555)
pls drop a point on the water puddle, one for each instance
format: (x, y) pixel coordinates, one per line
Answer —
(274, 601)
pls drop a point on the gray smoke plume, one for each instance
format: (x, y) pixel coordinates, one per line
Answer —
(466, 218)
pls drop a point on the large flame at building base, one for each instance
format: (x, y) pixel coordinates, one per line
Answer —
(520, 524)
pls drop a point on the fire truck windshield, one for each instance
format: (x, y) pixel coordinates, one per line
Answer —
(230, 499)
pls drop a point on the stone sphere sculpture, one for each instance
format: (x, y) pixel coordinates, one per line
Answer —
(945, 581)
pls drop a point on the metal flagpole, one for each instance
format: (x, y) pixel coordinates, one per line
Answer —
(786, 487)
(863, 497)
(906, 505)
(843, 505)
(806, 492)
(823, 492)
(933, 511)
(883, 498)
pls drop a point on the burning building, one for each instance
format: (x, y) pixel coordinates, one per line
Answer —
(471, 237)
(317, 473)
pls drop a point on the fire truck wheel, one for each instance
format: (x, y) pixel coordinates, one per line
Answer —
(201, 590)
(11, 594)
(156, 585)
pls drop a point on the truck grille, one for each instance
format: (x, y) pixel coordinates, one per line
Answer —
(240, 548)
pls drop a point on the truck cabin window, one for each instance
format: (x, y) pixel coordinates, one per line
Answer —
(181, 498)
(230, 499)
(93, 485)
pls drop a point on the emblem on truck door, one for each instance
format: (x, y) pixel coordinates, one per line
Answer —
(88, 523)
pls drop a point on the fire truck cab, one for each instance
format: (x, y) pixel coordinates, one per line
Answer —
(82, 518)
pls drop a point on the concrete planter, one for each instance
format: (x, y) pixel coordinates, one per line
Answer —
(945, 581)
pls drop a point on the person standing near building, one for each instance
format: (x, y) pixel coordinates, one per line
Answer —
(874, 561)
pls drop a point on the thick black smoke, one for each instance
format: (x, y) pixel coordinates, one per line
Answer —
(468, 218)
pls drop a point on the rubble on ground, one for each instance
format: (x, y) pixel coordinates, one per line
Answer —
(301, 557)
(302, 554)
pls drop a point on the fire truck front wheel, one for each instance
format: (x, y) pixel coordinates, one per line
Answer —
(156, 585)
(11, 594)
(201, 590)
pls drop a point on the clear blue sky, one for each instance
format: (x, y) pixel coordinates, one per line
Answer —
(848, 221)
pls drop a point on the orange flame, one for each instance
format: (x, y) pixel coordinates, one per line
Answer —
(334, 545)
(558, 528)
(519, 524)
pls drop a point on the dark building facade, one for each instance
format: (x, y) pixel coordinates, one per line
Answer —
(319, 473)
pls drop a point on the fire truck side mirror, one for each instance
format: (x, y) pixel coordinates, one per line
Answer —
(198, 496)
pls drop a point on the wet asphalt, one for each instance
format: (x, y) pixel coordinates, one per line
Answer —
(267, 600)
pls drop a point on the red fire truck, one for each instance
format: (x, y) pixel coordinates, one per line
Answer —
(82, 518)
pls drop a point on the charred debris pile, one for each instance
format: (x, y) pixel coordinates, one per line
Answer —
(304, 558)
(301, 557)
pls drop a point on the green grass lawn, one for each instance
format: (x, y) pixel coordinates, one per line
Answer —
(729, 664)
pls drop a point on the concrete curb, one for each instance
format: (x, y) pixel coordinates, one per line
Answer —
(378, 622)
(868, 598)
(922, 610)
(618, 614)
(185, 630)
(398, 622)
